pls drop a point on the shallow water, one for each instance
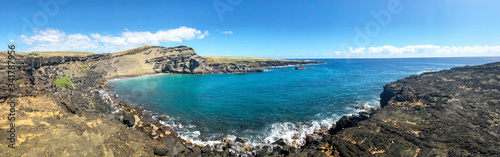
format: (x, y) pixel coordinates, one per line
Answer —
(280, 103)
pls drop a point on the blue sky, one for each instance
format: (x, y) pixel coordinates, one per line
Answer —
(264, 28)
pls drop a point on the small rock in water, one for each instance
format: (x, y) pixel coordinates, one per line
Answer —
(299, 68)
(162, 118)
(241, 140)
(226, 140)
(357, 107)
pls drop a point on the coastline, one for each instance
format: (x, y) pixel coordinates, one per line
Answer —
(303, 129)
(408, 107)
(313, 128)
(340, 126)
(125, 77)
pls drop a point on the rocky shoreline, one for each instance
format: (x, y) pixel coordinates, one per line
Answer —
(448, 113)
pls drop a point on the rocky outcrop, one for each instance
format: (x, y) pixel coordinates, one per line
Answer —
(180, 59)
(255, 66)
(235, 68)
(447, 113)
(37, 62)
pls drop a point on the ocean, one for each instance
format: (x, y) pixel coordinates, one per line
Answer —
(279, 103)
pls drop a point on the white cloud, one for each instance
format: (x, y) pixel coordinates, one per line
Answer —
(430, 50)
(225, 32)
(55, 40)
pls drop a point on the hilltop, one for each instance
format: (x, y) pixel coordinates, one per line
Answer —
(52, 53)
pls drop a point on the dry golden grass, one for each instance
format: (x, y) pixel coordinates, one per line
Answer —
(232, 59)
(54, 53)
(123, 52)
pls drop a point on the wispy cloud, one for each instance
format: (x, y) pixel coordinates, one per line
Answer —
(225, 32)
(56, 40)
(430, 50)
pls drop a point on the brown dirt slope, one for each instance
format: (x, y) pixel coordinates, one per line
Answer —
(43, 128)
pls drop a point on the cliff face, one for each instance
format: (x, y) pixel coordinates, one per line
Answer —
(447, 113)
(153, 59)
(178, 60)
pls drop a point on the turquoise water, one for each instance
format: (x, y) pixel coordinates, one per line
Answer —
(280, 103)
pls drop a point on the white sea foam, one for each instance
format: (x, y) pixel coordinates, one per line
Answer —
(288, 131)
(424, 71)
(135, 77)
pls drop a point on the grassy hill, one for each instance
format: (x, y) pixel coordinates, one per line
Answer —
(234, 59)
(53, 53)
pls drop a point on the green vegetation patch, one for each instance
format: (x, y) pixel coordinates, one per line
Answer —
(64, 82)
(233, 59)
(83, 66)
(55, 53)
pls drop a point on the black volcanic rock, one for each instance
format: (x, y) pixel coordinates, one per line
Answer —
(447, 113)
(128, 119)
(280, 142)
(299, 68)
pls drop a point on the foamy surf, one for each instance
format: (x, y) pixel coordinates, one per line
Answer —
(134, 77)
(293, 133)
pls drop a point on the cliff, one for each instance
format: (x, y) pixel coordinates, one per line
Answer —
(176, 60)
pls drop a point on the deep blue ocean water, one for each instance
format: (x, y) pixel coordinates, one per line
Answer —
(280, 103)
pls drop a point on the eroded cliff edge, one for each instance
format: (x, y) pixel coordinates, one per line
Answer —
(177, 60)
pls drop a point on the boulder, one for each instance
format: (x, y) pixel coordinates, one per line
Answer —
(280, 142)
(162, 118)
(226, 140)
(128, 119)
(241, 140)
(160, 150)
